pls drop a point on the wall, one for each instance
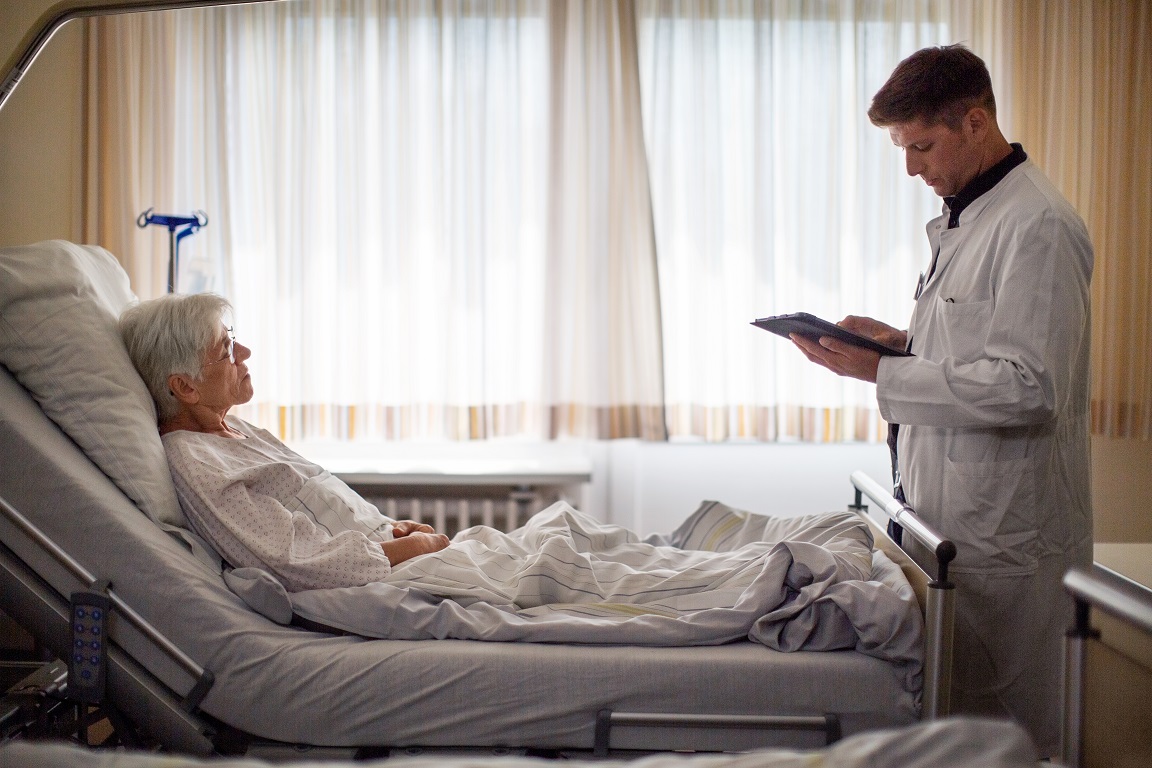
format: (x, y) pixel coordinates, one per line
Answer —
(651, 487)
(647, 485)
(1122, 489)
(41, 146)
(17, 18)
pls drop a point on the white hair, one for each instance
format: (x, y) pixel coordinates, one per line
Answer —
(170, 335)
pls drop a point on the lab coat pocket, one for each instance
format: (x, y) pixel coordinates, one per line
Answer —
(994, 504)
(965, 326)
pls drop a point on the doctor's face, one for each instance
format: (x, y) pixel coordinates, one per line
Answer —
(946, 159)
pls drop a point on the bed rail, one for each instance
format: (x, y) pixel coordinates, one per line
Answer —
(937, 595)
(1125, 600)
(43, 609)
(204, 678)
(606, 720)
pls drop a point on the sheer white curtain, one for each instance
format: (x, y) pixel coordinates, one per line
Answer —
(428, 215)
(442, 219)
(772, 193)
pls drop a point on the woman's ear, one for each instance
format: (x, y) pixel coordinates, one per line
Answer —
(183, 389)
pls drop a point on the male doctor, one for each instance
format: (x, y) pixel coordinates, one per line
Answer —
(992, 442)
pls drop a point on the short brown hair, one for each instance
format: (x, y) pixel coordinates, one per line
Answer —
(934, 85)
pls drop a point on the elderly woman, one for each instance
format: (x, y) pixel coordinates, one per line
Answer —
(263, 506)
(259, 503)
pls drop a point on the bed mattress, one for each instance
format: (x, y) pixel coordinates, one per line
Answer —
(288, 684)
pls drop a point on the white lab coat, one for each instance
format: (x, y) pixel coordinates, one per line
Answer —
(993, 444)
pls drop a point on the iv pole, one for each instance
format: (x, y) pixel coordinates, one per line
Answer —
(190, 223)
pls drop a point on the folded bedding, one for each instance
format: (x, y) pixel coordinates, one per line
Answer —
(801, 583)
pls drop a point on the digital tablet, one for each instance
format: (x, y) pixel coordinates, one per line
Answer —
(812, 327)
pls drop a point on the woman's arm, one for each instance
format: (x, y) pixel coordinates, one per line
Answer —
(413, 545)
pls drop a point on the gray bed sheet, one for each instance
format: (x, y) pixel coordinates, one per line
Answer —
(288, 684)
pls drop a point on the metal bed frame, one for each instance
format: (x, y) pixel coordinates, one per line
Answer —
(937, 600)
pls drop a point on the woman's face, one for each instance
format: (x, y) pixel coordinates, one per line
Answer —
(224, 378)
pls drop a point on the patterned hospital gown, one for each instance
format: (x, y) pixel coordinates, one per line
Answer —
(262, 505)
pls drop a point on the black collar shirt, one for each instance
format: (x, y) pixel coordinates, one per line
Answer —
(955, 204)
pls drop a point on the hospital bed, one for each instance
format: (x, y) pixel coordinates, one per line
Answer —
(195, 668)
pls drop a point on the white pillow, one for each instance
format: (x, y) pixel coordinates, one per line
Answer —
(59, 303)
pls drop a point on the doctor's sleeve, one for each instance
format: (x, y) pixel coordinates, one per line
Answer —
(1011, 359)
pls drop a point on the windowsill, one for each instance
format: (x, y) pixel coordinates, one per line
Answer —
(450, 463)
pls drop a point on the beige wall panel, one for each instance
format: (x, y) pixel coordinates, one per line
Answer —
(1122, 489)
(41, 145)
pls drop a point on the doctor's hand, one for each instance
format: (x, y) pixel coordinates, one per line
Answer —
(413, 545)
(876, 330)
(840, 358)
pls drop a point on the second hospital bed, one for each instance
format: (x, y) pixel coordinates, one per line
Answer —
(199, 670)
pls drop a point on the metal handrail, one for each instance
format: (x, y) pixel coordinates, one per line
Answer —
(1112, 593)
(58, 16)
(607, 719)
(939, 602)
(906, 518)
(204, 678)
(1116, 595)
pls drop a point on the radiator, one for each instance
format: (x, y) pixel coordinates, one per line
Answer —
(452, 508)
(453, 487)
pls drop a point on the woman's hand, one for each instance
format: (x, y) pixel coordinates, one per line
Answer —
(413, 545)
(405, 527)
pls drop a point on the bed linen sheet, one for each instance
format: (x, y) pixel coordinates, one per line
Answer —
(954, 743)
(792, 584)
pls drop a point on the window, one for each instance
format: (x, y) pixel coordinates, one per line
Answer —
(772, 193)
(479, 219)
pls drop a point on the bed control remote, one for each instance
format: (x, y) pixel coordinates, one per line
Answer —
(88, 664)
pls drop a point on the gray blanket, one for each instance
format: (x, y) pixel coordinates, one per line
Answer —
(802, 583)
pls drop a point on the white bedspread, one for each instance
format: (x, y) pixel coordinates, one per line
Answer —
(725, 575)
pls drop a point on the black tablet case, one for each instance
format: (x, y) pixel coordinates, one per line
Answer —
(812, 327)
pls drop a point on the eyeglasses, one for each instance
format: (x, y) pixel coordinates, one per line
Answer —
(230, 356)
